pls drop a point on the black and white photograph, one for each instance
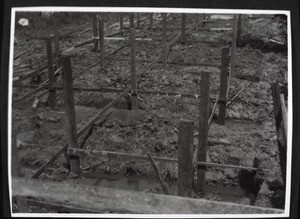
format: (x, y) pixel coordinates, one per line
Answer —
(150, 112)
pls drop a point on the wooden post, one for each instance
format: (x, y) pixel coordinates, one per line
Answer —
(70, 115)
(197, 24)
(138, 22)
(101, 41)
(121, 24)
(203, 129)
(151, 22)
(133, 70)
(223, 86)
(185, 158)
(131, 20)
(183, 18)
(233, 48)
(164, 40)
(52, 93)
(55, 34)
(239, 30)
(95, 31)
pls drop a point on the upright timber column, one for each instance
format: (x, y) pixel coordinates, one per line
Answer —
(52, 93)
(203, 129)
(164, 40)
(223, 86)
(70, 115)
(15, 161)
(185, 158)
(239, 30)
(183, 18)
(101, 41)
(55, 33)
(95, 31)
(138, 22)
(151, 22)
(133, 70)
(233, 47)
(131, 20)
(121, 24)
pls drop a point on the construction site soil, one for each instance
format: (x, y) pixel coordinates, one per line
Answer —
(249, 127)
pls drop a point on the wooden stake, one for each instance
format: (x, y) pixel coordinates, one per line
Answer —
(203, 128)
(223, 86)
(138, 22)
(95, 31)
(233, 48)
(70, 114)
(55, 34)
(52, 93)
(101, 42)
(183, 20)
(151, 22)
(133, 70)
(159, 177)
(15, 161)
(131, 20)
(185, 158)
(239, 30)
(121, 24)
(164, 41)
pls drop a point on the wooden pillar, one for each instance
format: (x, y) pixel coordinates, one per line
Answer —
(151, 21)
(70, 115)
(131, 20)
(55, 34)
(95, 31)
(101, 42)
(239, 30)
(183, 20)
(133, 70)
(121, 24)
(203, 129)
(197, 23)
(233, 48)
(52, 93)
(185, 158)
(138, 22)
(164, 40)
(223, 86)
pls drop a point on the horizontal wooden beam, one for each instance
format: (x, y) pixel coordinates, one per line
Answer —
(99, 199)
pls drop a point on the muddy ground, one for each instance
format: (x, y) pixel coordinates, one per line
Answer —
(250, 123)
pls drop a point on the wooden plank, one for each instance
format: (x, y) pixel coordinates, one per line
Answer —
(51, 76)
(101, 42)
(164, 186)
(183, 21)
(133, 70)
(122, 201)
(18, 56)
(223, 86)
(95, 31)
(203, 129)
(185, 158)
(70, 115)
(164, 41)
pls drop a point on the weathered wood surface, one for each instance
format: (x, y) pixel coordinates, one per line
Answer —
(51, 76)
(99, 199)
(133, 70)
(164, 41)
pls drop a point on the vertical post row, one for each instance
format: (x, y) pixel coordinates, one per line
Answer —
(133, 70)
(164, 40)
(95, 31)
(151, 22)
(101, 41)
(55, 33)
(70, 115)
(52, 93)
(185, 158)
(183, 18)
(121, 24)
(223, 86)
(233, 47)
(131, 20)
(203, 129)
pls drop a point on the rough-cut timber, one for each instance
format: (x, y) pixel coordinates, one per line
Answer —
(102, 200)
(95, 31)
(133, 70)
(203, 128)
(101, 41)
(183, 20)
(164, 40)
(70, 114)
(223, 86)
(185, 158)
